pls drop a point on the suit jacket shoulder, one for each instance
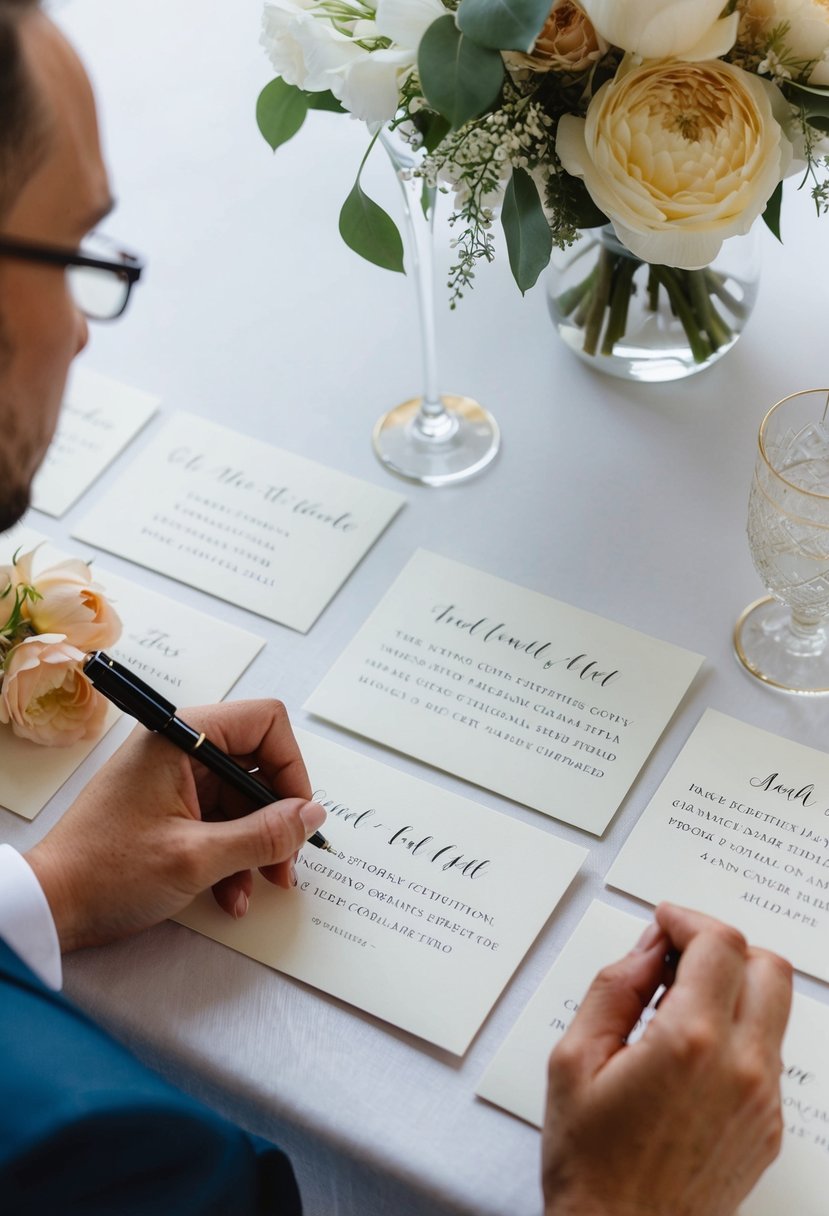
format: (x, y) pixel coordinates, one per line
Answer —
(86, 1129)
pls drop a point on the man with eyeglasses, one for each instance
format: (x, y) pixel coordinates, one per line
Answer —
(682, 1122)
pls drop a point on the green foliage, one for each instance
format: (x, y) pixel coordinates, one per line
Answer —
(814, 101)
(459, 78)
(370, 231)
(771, 215)
(529, 240)
(432, 128)
(503, 25)
(280, 111)
(323, 101)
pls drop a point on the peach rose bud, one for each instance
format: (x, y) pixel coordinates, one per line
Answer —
(45, 695)
(73, 604)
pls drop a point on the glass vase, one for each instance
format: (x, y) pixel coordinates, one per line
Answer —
(644, 322)
(435, 439)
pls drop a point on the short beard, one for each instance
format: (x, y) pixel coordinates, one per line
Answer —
(14, 503)
(14, 497)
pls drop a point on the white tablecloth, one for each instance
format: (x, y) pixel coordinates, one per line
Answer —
(627, 501)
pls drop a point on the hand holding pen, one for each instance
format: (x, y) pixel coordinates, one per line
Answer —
(153, 829)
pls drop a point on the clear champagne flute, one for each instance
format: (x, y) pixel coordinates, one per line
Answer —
(783, 639)
(435, 439)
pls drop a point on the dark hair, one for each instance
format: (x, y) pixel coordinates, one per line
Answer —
(22, 126)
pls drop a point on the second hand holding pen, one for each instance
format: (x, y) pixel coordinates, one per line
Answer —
(124, 689)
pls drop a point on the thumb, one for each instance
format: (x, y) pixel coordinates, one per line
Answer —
(263, 838)
(612, 1006)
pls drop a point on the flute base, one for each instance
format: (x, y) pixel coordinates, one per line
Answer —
(437, 452)
(762, 644)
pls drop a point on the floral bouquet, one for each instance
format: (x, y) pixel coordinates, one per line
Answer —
(673, 121)
(47, 624)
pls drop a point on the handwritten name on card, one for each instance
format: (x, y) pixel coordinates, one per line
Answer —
(517, 692)
(740, 828)
(244, 521)
(423, 912)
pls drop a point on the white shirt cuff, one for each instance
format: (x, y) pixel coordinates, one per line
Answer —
(26, 921)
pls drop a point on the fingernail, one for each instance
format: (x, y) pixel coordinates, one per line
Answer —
(241, 905)
(312, 815)
(294, 879)
(649, 938)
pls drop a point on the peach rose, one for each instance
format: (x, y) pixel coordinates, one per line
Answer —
(567, 43)
(45, 695)
(71, 603)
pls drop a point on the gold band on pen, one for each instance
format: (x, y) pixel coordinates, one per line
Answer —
(199, 742)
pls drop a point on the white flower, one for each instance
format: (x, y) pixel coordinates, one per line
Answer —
(800, 48)
(406, 21)
(307, 50)
(679, 156)
(288, 28)
(664, 29)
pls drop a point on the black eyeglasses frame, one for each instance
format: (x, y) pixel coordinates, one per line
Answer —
(129, 267)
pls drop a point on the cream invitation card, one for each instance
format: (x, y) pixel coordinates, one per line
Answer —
(98, 419)
(797, 1182)
(240, 519)
(739, 828)
(521, 694)
(423, 912)
(189, 657)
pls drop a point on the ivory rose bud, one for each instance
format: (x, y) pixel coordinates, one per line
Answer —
(794, 34)
(679, 156)
(72, 604)
(45, 695)
(665, 29)
(567, 43)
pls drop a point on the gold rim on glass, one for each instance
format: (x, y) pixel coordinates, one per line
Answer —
(746, 662)
(804, 392)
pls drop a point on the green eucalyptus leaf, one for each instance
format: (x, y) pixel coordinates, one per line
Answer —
(280, 111)
(324, 100)
(503, 25)
(432, 128)
(370, 231)
(529, 240)
(771, 215)
(460, 79)
(584, 212)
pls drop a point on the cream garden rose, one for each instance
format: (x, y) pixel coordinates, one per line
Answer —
(679, 156)
(567, 43)
(665, 29)
(45, 696)
(793, 34)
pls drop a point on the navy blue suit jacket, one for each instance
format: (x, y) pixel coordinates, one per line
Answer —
(86, 1130)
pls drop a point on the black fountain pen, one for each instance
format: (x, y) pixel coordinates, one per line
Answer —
(118, 684)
